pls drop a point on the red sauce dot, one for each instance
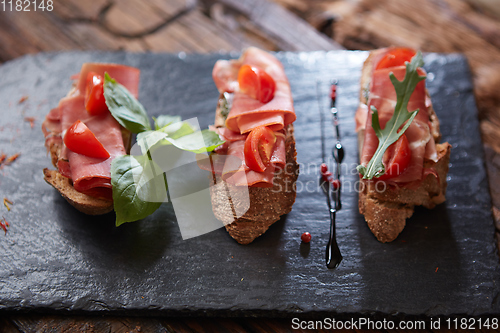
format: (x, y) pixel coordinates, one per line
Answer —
(335, 184)
(323, 168)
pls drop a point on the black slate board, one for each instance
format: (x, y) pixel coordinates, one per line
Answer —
(55, 259)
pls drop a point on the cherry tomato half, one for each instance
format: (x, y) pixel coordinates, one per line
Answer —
(396, 57)
(256, 83)
(396, 158)
(259, 147)
(80, 139)
(95, 103)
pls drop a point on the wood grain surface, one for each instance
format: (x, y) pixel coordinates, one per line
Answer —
(471, 27)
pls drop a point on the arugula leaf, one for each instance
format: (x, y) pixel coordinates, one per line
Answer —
(390, 134)
(124, 107)
(138, 187)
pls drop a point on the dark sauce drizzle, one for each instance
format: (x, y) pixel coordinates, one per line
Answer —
(328, 180)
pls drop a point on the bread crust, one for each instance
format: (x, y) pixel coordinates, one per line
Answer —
(267, 205)
(386, 211)
(84, 203)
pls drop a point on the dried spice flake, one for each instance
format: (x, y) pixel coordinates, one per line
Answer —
(12, 158)
(31, 120)
(22, 99)
(8, 160)
(6, 202)
(4, 225)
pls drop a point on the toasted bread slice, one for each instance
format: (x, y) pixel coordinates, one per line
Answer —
(267, 205)
(84, 203)
(386, 210)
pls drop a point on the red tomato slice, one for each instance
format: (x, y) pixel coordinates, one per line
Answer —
(256, 83)
(80, 139)
(396, 158)
(259, 147)
(94, 95)
(396, 57)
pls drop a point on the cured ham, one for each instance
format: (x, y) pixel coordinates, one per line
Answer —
(230, 164)
(125, 75)
(382, 96)
(248, 113)
(91, 176)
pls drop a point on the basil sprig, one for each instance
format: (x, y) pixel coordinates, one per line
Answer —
(392, 130)
(139, 184)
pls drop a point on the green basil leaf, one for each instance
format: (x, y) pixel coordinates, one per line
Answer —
(179, 129)
(212, 139)
(124, 107)
(165, 120)
(146, 140)
(138, 187)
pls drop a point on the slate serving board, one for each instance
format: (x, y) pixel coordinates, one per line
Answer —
(55, 259)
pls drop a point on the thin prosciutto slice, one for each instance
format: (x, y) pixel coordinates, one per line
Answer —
(91, 176)
(125, 75)
(248, 113)
(383, 98)
(229, 162)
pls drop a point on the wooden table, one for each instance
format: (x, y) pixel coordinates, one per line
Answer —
(468, 26)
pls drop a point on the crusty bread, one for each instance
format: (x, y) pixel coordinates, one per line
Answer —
(84, 203)
(386, 211)
(267, 205)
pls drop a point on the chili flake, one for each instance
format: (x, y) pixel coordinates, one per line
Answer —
(12, 158)
(4, 160)
(31, 120)
(6, 202)
(4, 225)
(22, 99)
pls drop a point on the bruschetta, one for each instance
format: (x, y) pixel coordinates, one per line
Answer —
(255, 116)
(411, 171)
(82, 138)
